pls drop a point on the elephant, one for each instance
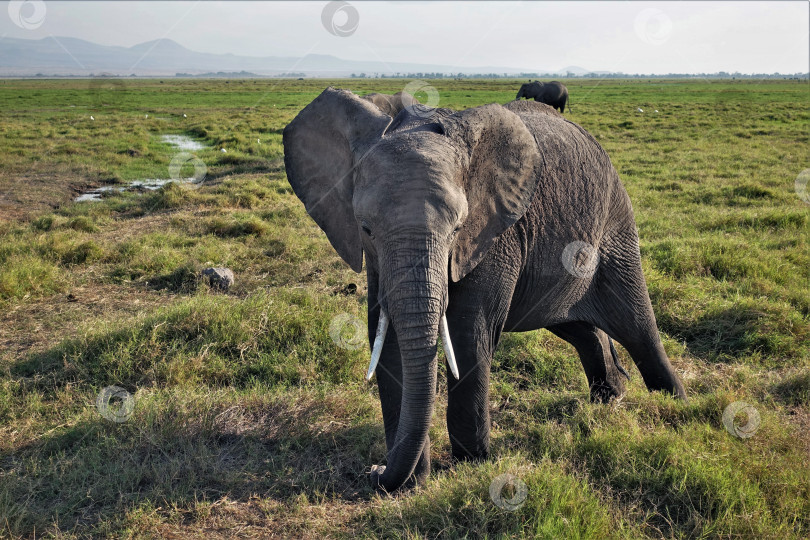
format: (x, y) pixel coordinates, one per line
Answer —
(498, 218)
(391, 104)
(552, 93)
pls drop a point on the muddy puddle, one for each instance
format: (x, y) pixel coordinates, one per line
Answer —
(180, 142)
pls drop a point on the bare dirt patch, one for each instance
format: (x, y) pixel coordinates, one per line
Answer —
(26, 195)
(35, 326)
(264, 518)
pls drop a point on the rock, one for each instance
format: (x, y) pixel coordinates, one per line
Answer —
(219, 278)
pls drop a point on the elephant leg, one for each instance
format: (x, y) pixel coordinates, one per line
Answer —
(627, 316)
(468, 421)
(389, 384)
(475, 321)
(605, 374)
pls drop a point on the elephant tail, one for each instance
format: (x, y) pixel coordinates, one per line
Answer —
(615, 356)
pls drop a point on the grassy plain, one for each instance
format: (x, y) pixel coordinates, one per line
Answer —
(249, 421)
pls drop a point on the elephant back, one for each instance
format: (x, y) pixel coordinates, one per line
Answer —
(391, 104)
(519, 106)
(576, 171)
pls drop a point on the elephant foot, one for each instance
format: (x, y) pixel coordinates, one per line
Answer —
(474, 453)
(604, 392)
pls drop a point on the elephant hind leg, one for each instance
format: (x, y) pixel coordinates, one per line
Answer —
(602, 368)
(626, 314)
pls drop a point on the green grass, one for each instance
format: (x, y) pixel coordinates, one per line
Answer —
(249, 419)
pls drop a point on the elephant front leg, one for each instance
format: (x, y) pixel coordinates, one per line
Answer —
(389, 384)
(468, 421)
(476, 315)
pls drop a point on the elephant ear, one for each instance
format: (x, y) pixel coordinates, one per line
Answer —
(322, 146)
(499, 179)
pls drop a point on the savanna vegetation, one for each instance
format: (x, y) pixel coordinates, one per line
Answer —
(249, 420)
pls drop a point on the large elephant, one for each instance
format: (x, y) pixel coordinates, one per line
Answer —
(391, 104)
(552, 93)
(496, 218)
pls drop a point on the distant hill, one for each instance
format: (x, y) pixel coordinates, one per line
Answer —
(164, 57)
(64, 56)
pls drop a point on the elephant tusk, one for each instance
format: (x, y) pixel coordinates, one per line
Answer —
(448, 346)
(376, 351)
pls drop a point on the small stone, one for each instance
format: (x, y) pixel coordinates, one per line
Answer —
(219, 277)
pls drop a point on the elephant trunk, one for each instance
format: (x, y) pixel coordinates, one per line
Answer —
(416, 291)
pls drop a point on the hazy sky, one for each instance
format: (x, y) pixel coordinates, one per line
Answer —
(632, 37)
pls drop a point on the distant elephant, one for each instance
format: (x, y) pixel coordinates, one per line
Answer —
(496, 218)
(391, 104)
(552, 93)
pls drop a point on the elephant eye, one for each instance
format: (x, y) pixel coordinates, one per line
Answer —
(367, 231)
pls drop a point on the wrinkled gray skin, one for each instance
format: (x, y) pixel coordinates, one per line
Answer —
(552, 93)
(391, 104)
(468, 213)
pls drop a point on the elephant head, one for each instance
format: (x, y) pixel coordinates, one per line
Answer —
(524, 91)
(423, 198)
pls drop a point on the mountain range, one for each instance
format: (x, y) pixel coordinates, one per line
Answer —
(164, 57)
